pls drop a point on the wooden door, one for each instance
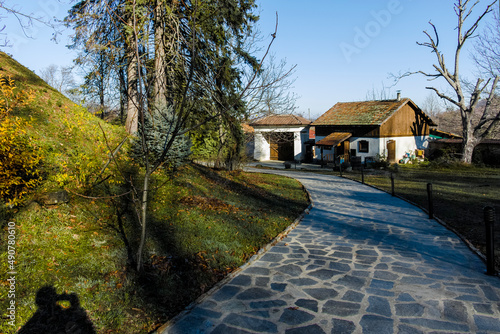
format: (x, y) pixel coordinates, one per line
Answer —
(274, 150)
(391, 151)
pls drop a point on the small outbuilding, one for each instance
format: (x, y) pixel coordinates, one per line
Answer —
(281, 137)
(371, 129)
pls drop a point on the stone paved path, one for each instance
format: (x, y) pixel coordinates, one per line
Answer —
(360, 262)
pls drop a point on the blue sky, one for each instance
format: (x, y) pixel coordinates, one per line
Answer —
(343, 49)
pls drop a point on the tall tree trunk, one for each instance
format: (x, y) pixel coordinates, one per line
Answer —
(469, 140)
(131, 123)
(160, 74)
(143, 216)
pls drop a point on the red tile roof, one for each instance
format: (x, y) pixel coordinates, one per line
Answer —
(247, 128)
(334, 138)
(281, 120)
(361, 113)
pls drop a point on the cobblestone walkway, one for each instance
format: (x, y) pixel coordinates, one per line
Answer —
(360, 262)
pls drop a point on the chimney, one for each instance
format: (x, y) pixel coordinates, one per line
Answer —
(398, 97)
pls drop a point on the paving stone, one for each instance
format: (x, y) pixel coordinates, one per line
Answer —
(353, 296)
(188, 324)
(385, 275)
(368, 252)
(317, 252)
(470, 298)
(226, 292)
(290, 269)
(483, 308)
(322, 293)
(360, 273)
(260, 314)
(292, 316)
(267, 304)
(487, 323)
(312, 329)
(469, 291)
(398, 265)
(342, 255)
(379, 305)
(254, 293)
(416, 280)
(380, 284)
(278, 286)
(203, 312)
(382, 266)
(323, 274)
(347, 249)
(302, 281)
(406, 271)
(261, 281)
(435, 324)
(377, 324)
(455, 311)
(223, 329)
(243, 280)
(272, 257)
(409, 310)
(343, 326)
(405, 329)
(490, 293)
(378, 292)
(339, 308)
(351, 282)
(280, 249)
(341, 267)
(309, 304)
(252, 324)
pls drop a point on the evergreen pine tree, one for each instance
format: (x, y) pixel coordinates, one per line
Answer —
(159, 128)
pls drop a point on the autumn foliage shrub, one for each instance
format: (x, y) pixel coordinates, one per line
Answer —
(19, 156)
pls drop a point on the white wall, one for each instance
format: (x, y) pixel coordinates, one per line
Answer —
(262, 151)
(404, 144)
(379, 146)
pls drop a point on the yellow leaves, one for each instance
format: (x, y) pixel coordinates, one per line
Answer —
(11, 97)
(19, 160)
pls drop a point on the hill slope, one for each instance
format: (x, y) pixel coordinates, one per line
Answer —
(74, 257)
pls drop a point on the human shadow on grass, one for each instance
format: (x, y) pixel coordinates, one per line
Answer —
(50, 317)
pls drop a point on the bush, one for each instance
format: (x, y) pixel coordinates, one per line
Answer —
(19, 156)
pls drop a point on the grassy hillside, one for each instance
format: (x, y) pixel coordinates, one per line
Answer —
(203, 224)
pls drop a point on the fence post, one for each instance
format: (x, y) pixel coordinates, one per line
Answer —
(489, 220)
(340, 167)
(362, 174)
(431, 203)
(392, 184)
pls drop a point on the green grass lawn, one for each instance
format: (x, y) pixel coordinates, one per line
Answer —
(203, 224)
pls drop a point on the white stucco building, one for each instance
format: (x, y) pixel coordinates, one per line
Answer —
(281, 137)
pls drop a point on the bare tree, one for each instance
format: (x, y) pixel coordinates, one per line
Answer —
(473, 132)
(26, 21)
(60, 78)
(271, 91)
(383, 94)
(487, 47)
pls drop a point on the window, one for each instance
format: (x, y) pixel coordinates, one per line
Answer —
(363, 146)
